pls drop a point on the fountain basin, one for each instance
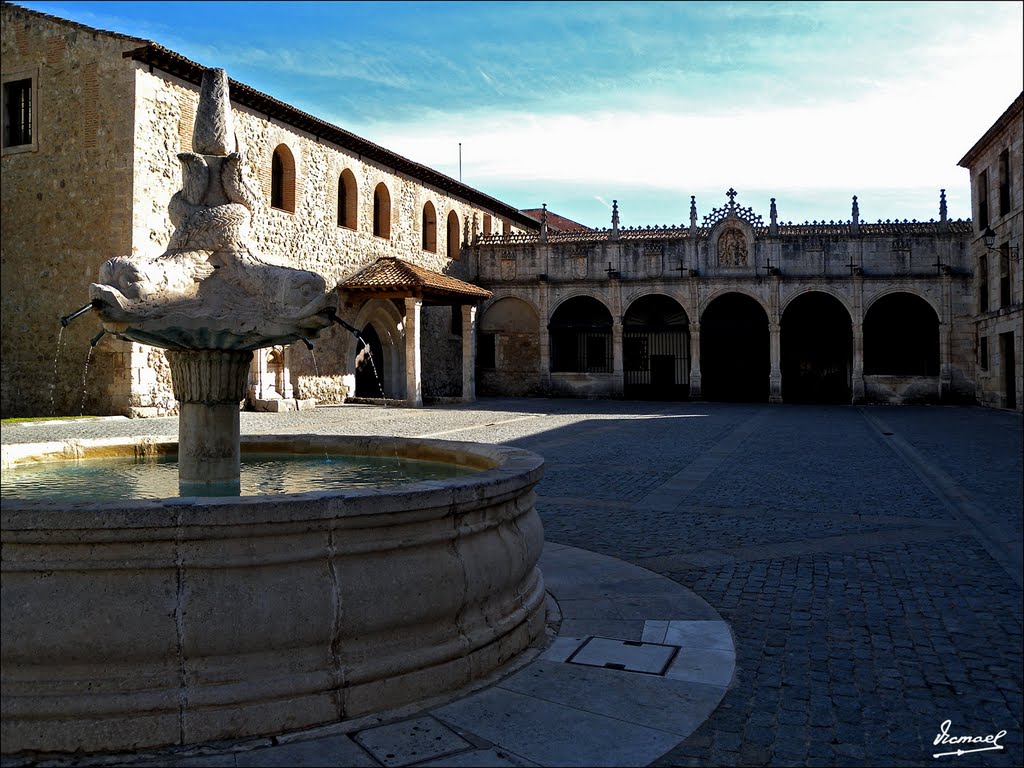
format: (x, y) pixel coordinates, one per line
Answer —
(144, 623)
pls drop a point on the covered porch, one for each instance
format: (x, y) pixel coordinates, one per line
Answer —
(387, 299)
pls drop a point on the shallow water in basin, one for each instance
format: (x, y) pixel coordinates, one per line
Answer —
(263, 474)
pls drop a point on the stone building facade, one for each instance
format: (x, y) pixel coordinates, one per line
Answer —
(996, 165)
(94, 121)
(733, 305)
(733, 308)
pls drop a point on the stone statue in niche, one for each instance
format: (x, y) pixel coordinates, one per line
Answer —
(732, 249)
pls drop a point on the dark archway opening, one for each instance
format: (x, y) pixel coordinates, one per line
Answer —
(734, 351)
(901, 337)
(369, 372)
(656, 349)
(817, 350)
(581, 337)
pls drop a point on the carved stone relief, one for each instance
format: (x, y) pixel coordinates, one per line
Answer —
(732, 249)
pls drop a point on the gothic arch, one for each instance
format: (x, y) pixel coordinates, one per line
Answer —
(580, 330)
(711, 298)
(387, 322)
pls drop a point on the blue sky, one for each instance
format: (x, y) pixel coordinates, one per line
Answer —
(576, 104)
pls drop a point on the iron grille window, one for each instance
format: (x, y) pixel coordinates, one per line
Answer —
(580, 350)
(983, 284)
(18, 117)
(983, 353)
(1005, 295)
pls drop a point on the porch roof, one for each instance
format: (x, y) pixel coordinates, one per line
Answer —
(392, 278)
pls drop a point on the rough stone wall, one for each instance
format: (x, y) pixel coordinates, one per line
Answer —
(309, 238)
(66, 209)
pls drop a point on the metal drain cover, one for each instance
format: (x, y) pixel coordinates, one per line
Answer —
(627, 655)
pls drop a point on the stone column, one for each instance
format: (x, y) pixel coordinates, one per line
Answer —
(413, 380)
(468, 353)
(544, 336)
(775, 354)
(209, 385)
(695, 386)
(857, 326)
(618, 374)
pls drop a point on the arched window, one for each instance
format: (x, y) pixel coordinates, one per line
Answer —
(429, 227)
(382, 212)
(282, 179)
(453, 236)
(348, 200)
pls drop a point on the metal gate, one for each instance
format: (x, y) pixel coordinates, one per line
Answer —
(656, 364)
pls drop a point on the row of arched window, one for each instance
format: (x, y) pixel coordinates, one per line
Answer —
(282, 197)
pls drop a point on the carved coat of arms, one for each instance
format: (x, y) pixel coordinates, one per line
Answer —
(579, 261)
(653, 259)
(508, 268)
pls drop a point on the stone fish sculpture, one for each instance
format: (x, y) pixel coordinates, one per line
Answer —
(211, 289)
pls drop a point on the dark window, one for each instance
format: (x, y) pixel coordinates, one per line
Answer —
(382, 212)
(277, 181)
(453, 236)
(456, 326)
(485, 351)
(347, 200)
(983, 353)
(1004, 182)
(429, 227)
(983, 200)
(983, 284)
(18, 113)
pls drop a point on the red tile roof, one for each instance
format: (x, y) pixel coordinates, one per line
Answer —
(556, 223)
(390, 277)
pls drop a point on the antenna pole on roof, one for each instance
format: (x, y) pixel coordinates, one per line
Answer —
(460, 162)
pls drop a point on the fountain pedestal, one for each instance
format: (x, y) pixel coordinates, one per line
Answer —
(209, 385)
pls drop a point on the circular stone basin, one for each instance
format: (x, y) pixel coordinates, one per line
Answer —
(143, 623)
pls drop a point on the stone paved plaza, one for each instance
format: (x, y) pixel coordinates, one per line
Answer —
(867, 559)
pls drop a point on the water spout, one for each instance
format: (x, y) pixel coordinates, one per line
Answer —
(350, 328)
(64, 321)
(97, 337)
(308, 343)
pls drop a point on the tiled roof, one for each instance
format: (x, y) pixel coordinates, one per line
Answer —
(77, 25)
(390, 277)
(556, 222)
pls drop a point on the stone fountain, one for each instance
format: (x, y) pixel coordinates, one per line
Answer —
(133, 624)
(211, 298)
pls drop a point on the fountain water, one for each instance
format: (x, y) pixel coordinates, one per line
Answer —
(149, 622)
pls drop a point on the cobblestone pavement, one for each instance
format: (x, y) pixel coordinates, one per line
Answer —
(868, 559)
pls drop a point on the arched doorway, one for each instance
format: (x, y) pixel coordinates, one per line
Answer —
(817, 350)
(901, 337)
(369, 370)
(581, 336)
(734, 350)
(656, 349)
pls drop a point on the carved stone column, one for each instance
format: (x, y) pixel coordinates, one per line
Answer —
(468, 353)
(209, 385)
(413, 377)
(695, 385)
(618, 374)
(857, 375)
(775, 353)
